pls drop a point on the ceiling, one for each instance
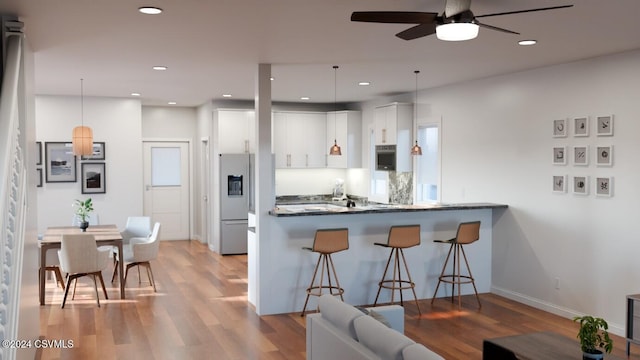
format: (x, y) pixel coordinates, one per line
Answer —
(212, 47)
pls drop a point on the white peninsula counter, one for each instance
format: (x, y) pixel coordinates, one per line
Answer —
(279, 276)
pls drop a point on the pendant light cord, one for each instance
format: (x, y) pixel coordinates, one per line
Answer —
(82, 101)
(335, 103)
(416, 110)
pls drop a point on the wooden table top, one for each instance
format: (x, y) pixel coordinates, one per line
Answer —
(100, 232)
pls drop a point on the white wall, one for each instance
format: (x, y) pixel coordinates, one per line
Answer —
(117, 122)
(496, 147)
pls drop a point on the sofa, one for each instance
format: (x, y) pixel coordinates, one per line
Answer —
(342, 331)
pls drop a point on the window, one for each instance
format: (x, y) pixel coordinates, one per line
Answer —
(428, 165)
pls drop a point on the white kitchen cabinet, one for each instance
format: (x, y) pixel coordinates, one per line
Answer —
(346, 128)
(394, 126)
(392, 122)
(299, 139)
(236, 131)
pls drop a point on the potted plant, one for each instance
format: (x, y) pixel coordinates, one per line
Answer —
(83, 209)
(593, 335)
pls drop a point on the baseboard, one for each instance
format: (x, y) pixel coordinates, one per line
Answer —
(614, 328)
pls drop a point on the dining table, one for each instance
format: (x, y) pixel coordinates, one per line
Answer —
(105, 235)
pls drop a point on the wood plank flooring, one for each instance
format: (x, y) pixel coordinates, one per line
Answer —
(200, 312)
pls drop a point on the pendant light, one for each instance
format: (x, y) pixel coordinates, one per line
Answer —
(82, 135)
(416, 149)
(335, 149)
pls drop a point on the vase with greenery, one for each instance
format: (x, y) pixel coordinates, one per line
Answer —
(593, 334)
(83, 210)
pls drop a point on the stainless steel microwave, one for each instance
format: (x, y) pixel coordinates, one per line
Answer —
(386, 157)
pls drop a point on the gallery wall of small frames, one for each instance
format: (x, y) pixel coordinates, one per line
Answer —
(587, 149)
(60, 165)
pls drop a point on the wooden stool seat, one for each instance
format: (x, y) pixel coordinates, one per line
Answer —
(326, 242)
(400, 237)
(468, 232)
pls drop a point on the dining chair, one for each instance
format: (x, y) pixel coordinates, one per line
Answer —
(137, 226)
(140, 252)
(79, 256)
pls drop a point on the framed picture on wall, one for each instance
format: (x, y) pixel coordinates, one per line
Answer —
(559, 155)
(604, 155)
(38, 152)
(93, 178)
(560, 128)
(560, 184)
(39, 178)
(581, 126)
(98, 152)
(604, 186)
(581, 155)
(604, 125)
(581, 185)
(60, 163)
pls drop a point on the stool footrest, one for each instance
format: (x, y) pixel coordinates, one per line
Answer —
(456, 279)
(410, 284)
(319, 289)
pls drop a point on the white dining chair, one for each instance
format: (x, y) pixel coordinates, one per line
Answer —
(137, 226)
(139, 252)
(79, 256)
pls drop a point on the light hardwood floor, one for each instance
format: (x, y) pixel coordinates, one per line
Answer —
(200, 312)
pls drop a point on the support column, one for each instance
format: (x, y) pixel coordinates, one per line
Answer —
(265, 184)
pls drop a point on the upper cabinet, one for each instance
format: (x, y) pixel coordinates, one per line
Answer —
(299, 139)
(236, 131)
(345, 127)
(393, 123)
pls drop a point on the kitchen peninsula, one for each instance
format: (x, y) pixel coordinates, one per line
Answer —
(359, 268)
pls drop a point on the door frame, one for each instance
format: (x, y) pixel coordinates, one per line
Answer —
(205, 189)
(189, 171)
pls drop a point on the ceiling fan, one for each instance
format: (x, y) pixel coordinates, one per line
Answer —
(456, 23)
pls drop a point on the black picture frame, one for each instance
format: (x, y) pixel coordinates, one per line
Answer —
(38, 152)
(94, 179)
(60, 163)
(98, 152)
(39, 177)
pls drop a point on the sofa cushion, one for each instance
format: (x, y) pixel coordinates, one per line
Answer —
(338, 313)
(419, 352)
(385, 342)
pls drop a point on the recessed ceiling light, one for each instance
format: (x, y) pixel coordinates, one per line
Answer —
(227, 95)
(364, 83)
(161, 68)
(135, 94)
(527, 42)
(172, 103)
(304, 98)
(150, 10)
(272, 78)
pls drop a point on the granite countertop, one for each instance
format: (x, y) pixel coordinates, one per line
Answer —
(331, 208)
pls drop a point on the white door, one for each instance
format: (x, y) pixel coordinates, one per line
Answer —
(166, 195)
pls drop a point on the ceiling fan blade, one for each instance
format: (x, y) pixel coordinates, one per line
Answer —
(455, 7)
(524, 11)
(394, 17)
(417, 31)
(496, 28)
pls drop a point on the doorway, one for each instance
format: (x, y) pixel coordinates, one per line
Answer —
(166, 179)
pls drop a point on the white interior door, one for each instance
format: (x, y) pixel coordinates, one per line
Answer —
(166, 195)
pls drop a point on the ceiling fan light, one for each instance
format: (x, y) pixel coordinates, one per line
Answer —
(457, 31)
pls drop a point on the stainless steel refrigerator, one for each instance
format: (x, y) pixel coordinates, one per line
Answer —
(236, 198)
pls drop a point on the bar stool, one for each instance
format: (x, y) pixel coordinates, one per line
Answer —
(400, 237)
(326, 242)
(468, 232)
